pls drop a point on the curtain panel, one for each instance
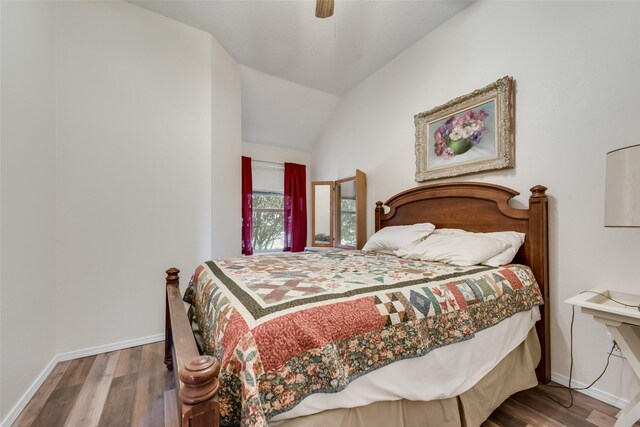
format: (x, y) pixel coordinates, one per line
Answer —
(247, 211)
(295, 207)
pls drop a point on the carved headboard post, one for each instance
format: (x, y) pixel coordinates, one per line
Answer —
(539, 247)
(379, 212)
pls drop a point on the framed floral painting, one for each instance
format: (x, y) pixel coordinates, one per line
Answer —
(469, 134)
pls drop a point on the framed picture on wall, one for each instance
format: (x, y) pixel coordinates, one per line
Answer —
(469, 134)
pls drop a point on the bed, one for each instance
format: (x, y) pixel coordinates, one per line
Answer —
(305, 386)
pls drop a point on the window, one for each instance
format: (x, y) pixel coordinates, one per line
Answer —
(348, 221)
(268, 221)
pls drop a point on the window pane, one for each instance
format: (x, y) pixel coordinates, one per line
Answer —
(348, 229)
(268, 221)
(347, 205)
(268, 201)
(347, 221)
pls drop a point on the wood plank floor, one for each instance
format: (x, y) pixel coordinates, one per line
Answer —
(131, 387)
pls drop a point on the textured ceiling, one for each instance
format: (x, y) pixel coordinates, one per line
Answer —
(285, 39)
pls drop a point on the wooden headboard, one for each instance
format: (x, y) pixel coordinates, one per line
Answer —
(480, 207)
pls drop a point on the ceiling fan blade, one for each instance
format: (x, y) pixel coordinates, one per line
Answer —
(324, 8)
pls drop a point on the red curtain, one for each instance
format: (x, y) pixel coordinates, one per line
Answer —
(295, 207)
(247, 194)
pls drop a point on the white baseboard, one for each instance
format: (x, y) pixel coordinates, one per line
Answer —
(26, 397)
(592, 392)
(109, 347)
(31, 391)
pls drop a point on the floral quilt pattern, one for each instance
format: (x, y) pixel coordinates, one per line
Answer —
(288, 326)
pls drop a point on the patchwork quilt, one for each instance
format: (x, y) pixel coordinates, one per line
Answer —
(287, 326)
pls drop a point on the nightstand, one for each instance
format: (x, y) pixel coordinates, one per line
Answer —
(623, 322)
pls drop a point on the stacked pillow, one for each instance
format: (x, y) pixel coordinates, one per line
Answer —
(393, 238)
(451, 246)
(513, 239)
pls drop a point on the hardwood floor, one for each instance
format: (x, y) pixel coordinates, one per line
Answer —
(131, 387)
(122, 388)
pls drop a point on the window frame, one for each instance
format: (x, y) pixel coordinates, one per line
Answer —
(254, 209)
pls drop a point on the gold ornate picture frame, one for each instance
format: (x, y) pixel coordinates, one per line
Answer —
(472, 133)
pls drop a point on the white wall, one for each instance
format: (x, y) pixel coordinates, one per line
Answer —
(269, 153)
(106, 175)
(27, 196)
(282, 113)
(226, 148)
(577, 91)
(133, 167)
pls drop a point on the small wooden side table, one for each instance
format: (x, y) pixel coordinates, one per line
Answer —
(623, 322)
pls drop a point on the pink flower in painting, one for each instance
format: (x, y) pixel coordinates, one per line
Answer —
(468, 127)
(448, 153)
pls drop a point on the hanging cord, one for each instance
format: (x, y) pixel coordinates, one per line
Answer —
(613, 347)
(609, 298)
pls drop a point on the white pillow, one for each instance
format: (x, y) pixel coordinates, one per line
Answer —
(514, 239)
(463, 249)
(398, 237)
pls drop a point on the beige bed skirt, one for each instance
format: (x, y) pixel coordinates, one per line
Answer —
(514, 373)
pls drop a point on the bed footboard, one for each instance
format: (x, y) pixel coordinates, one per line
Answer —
(196, 376)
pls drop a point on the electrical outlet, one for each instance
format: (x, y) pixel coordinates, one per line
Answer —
(616, 351)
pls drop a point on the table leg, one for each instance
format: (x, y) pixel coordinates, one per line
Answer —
(629, 343)
(629, 414)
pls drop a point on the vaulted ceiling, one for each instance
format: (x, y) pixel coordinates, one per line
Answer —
(286, 40)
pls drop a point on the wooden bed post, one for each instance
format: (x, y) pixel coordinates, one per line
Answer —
(199, 385)
(538, 233)
(196, 376)
(173, 279)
